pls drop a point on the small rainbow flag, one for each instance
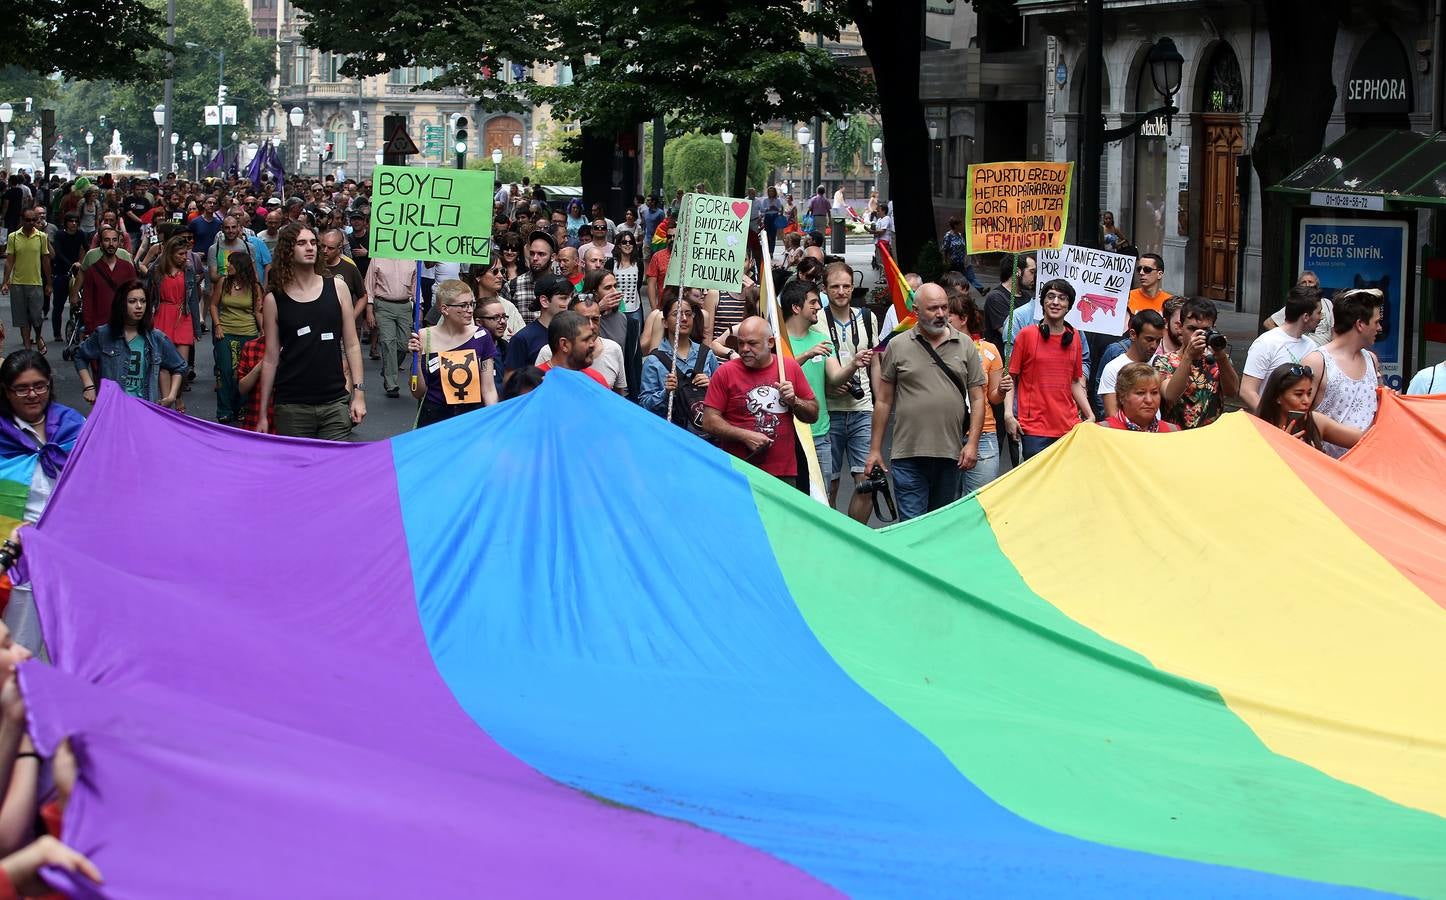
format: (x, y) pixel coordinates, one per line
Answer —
(901, 296)
(660, 234)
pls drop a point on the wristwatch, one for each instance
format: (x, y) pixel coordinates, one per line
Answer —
(359, 387)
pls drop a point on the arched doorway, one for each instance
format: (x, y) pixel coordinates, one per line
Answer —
(1221, 141)
(497, 135)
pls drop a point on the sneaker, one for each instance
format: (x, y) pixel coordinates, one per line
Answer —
(394, 393)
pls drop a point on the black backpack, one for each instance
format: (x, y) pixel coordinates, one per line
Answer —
(688, 400)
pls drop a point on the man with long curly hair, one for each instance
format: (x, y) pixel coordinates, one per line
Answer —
(309, 321)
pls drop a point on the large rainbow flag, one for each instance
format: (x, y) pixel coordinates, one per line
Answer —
(469, 661)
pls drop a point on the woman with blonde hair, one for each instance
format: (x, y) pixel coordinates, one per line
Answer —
(457, 359)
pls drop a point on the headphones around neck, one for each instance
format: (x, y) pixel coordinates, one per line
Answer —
(1068, 333)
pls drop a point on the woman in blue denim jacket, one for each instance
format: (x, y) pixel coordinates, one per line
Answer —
(130, 352)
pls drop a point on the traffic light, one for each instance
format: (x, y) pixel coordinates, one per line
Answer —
(356, 120)
(461, 137)
(329, 148)
(221, 95)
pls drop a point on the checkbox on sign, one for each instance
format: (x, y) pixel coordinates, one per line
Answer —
(448, 215)
(441, 189)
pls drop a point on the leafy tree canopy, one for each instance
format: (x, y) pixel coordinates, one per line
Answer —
(81, 39)
(127, 106)
(708, 66)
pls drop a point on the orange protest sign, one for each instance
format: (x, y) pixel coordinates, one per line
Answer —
(1016, 207)
(461, 376)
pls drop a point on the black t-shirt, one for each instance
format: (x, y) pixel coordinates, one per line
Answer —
(137, 206)
(998, 305)
(15, 200)
(361, 240)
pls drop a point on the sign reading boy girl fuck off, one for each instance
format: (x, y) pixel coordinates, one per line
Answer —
(1016, 207)
(431, 214)
(712, 243)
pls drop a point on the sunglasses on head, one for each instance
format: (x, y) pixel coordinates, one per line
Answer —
(1297, 370)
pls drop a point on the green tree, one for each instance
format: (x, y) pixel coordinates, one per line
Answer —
(127, 106)
(627, 68)
(649, 64)
(849, 148)
(81, 38)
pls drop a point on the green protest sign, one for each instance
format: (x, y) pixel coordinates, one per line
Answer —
(431, 214)
(712, 243)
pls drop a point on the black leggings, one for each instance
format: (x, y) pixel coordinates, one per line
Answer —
(430, 412)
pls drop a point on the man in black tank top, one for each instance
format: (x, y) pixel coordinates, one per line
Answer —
(309, 324)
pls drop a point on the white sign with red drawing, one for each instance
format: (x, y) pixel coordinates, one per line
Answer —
(1101, 282)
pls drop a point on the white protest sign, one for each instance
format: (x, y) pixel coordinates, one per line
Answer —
(1101, 282)
(712, 243)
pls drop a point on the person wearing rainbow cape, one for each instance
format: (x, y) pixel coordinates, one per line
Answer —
(36, 437)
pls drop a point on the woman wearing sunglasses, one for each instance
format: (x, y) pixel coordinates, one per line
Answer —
(1287, 401)
(457, 359)
(627, 268)
(509, 253)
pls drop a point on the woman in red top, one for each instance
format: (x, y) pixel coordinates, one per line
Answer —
(173, 317)
(1137, 387)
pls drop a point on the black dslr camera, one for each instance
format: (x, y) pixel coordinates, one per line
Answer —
(1215, 340)
(876, 485)
(856, 387)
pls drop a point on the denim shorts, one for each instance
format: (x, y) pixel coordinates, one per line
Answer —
(825, 455)
(850, 433)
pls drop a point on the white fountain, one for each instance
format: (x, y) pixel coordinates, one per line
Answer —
(116, 159)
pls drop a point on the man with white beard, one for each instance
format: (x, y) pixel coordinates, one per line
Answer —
(928, 373)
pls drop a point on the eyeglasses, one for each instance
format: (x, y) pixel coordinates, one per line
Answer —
(1146, 270)
(1297, 370)
(628, 241)
(31, 390)
(1055, 295)
(460, 305)
(497, 318)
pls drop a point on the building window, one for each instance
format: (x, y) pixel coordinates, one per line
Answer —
(415, 74)
(1222, 82)
(331, 64)
(340, 139)
(300, 64)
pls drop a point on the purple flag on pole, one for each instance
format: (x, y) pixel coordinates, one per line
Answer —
(253, 169)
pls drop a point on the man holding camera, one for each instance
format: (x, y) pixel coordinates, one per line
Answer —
(1196, 379)
(854, 333)
(930, 370)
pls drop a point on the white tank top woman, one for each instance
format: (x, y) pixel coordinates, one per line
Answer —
(1350, 401)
